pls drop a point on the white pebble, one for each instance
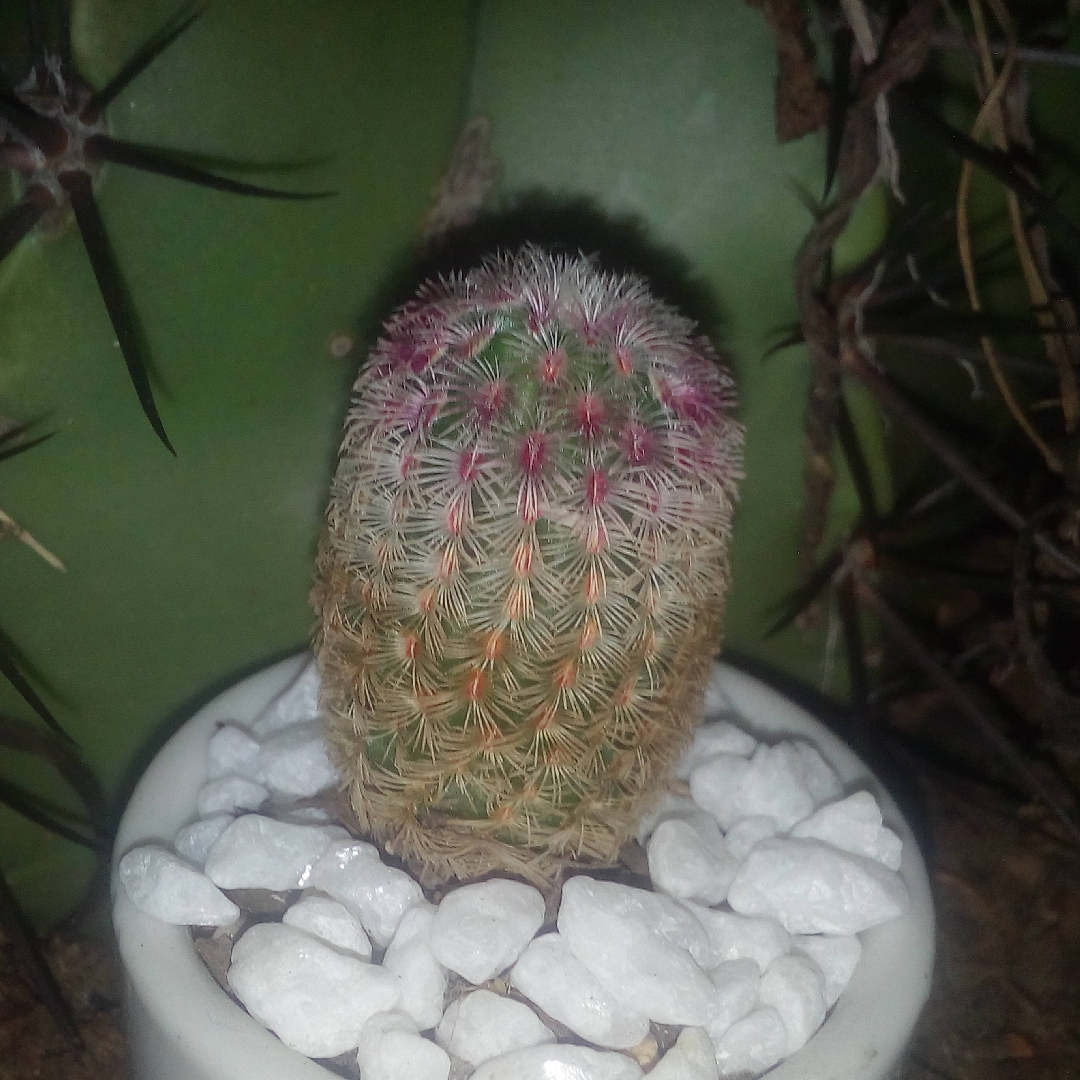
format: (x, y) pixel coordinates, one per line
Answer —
(736, 983)
(752, 1045)
(194, 841)
(299, 701)
(714, 787)
(314, 998)
(331, 922)
(670, 805)
(480, 930)
(748, 831)
(231, 751)
(634, 942)
(689, 860)
(163, 885)
(817, 775)
(558, 1062)
(691, 1058)
(483, 1025)
(293, 763)
(257, 852)
(549, 975)
(392, 1049)
(795, 987)
(228, 794)
(719, 737)
(743, 937)
(813, 888)
(423, 978)
(854, 824)
(354, 874)
(835, 955)
(773, 786)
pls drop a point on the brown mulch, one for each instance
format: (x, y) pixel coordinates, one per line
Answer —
(1006, 1000)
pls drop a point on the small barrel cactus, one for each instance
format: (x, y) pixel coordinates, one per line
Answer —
(521, 585)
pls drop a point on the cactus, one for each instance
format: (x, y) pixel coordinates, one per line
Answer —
(521, 585)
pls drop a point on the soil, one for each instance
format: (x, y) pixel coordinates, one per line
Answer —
(1006, 997)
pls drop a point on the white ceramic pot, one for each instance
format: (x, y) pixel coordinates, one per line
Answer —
(181, 1026)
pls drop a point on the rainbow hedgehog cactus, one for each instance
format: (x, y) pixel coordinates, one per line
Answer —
(521, 584)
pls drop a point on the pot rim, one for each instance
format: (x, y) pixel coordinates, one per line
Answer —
(177, 1013)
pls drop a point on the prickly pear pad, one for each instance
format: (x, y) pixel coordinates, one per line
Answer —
(521, 585)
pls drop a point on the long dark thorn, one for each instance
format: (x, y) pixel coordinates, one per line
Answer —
(42, 130)
(856, 463)
(11, 671)
(910, 643)
(62, 755)
(35, 968)
(101, 99)
(887, 394)
(35, 34)
(16, 433)
(25, 805)
(839, 99)
(991, 161)
(797, 601)
(853, 645)
(106, 148)
(64, 43)
(939, 346)
(18, 222)
(111, 284)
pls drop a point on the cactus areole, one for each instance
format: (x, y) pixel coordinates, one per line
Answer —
(521, 584)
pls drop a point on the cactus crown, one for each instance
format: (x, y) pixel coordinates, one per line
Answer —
(521, 583)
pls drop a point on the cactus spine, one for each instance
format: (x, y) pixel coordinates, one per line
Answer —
(521, 584)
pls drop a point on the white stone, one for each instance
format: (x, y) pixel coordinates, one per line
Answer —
(354, 874)
(423, 978)
(752, 1045)
(163, 885)
(257, 852)
(748, 831)
(314, 998)
(688, 859)
(836, 955)
(293, 763)
(743, 937)
(719, 737)
(331, 922)
(773, 786)
(795, 987)
(194, 841)
(691, 1058)
(635, 943)
(669, 805)
(714, 787)
(392, 1049)
(483, 1025)
(231, 751)
(480, 930)
(299, 701)
(814, 888)
(550, 976)
(228, 794)
(736, 984)
(559, 1062)
(854, 824)
(817, 774)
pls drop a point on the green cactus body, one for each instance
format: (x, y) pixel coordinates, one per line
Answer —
(522, 581)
